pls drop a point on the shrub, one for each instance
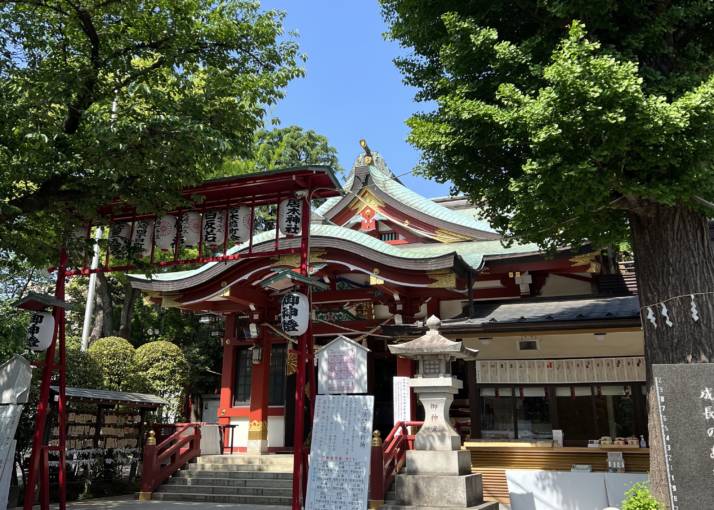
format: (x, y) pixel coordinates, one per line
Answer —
(83, 371)
(164, 367)
(639, 497)
(115, 357)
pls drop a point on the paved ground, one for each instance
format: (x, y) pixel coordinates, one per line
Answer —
(131, 503)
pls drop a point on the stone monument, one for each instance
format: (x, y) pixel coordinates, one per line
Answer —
(438, 473)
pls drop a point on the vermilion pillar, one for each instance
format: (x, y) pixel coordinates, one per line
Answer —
(259, 387)
(227, 377)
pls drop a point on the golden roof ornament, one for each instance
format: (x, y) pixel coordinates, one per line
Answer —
(367, 152)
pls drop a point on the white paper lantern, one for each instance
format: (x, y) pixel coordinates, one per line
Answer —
(290, 220)
(141, 237)
(238, 224)
(214, 228)
(294, 313)
(190, 229)
(40, 331)
(165, 233)
(119, 238)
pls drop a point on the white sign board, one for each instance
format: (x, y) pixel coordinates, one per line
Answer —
(340, 455)
(342, 367)
(402, 399)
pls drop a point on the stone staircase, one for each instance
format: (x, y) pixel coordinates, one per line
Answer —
(232, 479)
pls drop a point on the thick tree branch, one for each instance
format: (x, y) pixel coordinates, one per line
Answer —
(85, 95)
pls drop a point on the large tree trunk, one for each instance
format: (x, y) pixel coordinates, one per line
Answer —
(103, 320)
(674, 259)
(127, 310)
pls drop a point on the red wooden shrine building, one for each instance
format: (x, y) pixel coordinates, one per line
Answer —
(559, 336)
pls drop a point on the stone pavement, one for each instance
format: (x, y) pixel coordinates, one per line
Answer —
(131, 503)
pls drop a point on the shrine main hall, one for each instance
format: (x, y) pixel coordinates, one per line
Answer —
(559, 336)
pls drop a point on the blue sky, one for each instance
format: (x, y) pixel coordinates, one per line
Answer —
(351, 89)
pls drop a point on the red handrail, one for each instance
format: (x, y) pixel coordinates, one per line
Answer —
(164, 459)
(388, 458)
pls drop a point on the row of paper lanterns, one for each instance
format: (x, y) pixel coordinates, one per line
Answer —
(214, 227)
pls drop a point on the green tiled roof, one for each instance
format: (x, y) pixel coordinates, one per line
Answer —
(413, 200)
(472, 253)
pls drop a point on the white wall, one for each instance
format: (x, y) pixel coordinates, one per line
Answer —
(561, 286)
(240, 433)
(276, 431)
(450, 309)
(567, 345)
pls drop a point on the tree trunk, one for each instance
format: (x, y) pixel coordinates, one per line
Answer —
(103, 320)
(127, 310)
(674, 259)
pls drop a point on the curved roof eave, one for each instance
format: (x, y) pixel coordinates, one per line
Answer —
(322, 236)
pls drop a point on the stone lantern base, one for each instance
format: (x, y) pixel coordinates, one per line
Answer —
(439, 480)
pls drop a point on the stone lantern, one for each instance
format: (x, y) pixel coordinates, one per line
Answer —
(438, 472)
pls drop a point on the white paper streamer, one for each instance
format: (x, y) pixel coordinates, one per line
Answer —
(693, 309)
(665, 314)
(651, 316)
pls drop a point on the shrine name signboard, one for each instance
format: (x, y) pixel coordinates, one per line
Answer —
(685, 397)
(340, 453)
(342, 367)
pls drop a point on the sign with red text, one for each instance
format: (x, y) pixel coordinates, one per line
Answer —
(342, 367)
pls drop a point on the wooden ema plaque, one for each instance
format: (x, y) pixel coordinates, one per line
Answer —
(685, 397)
(340, 453)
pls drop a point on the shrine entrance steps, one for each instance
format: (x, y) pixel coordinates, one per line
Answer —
(232, 479)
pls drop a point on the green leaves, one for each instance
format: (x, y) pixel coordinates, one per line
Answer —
(130, 100)
(547, 122)
(283, 148)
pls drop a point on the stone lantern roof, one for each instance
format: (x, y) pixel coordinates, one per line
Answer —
(433, 344)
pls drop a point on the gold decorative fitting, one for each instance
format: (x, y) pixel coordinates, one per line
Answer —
(442, 280)
(151, 441)
(447, 236)
(587, 259)
(365, 199)
(376, 438)
(291, 362)
(293, 260)
(257, 425)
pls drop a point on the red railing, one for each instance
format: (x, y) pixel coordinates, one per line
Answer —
(164, 459)
(388, 457)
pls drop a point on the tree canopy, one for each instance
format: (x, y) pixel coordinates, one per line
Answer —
(557, 118)
(573, 121)
(125, 99)
(283, 148)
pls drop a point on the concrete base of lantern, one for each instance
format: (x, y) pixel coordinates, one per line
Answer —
(438, 463)
(439, 490)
